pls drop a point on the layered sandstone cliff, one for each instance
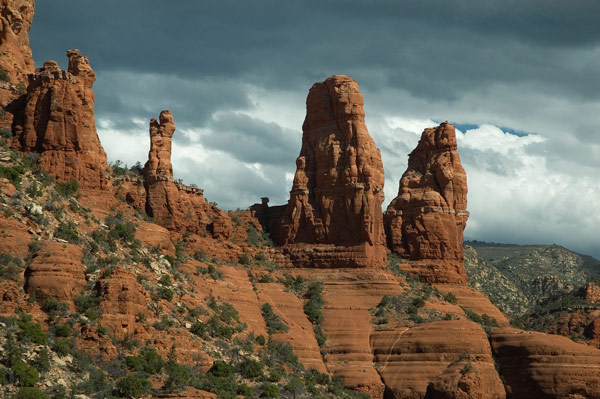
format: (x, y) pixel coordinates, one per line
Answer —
(425, 222)
(59, 124)
(16, 60)
(537, 365)
(333, 217)
(176, 206)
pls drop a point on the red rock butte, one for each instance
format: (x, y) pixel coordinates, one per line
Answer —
(425, 222)
(58, 123)
(333, 217)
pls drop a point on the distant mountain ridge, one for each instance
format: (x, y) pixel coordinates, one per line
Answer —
(517, 278)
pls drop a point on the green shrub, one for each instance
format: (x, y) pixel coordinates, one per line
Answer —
(67, 189)
(261, 340)
(12, 173)
(450, 297)
(270, 391)
(221, 369)
(294, 387)
(4, 75)
(418, 302)
(32, 331)
(165, 280)
(178, 377)
(83, 303)
(154, 363)
(132, 386)
(26, 375)
(42, 361)
(250, 368)
(164, 293)
(62, 347)
(272, 320)
(200, 255)
(30, 393)
(54, 308)
(62, 330)
(244, 259)
(10, 267)
(97, 384)
(5, 133)
(67, 230)
(124, 232)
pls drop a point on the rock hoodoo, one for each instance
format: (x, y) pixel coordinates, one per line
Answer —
(173, 205)
(59, 124)
(333, 217)
(15, 54)
(425, 222)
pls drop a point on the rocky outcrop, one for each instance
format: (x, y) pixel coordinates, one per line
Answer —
(300, 330)
(172, 205)
(425, 222)
(56, 272)
(122, 300)
(58, 123)
(443, 359)
(15, 54)
(349, 296)
(333, 217)
(537, 365)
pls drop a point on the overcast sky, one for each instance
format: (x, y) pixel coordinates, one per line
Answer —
(519, 79)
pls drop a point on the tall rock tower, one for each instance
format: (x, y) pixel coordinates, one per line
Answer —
(15, 55)
(58, 123)
(425, 222)
(333, 217)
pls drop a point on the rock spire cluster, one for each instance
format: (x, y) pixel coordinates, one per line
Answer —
(58, 123)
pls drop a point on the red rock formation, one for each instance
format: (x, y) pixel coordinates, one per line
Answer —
(176, 206)
(425, 222)
(58, 123)
(537, 365)
(56, 272)
(122, 300)
(427, 360)
(333, 217)
(300, 333)
(15, 60)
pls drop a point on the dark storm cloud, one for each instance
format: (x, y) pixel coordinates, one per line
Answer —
(425, 47)
(252, 140)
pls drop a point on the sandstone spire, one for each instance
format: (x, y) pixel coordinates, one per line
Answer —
(425, 222)
(15, 54)
(174, 205)
(58, 122)
(336, 197)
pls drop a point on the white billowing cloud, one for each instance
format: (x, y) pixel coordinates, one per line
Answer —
(515, 194)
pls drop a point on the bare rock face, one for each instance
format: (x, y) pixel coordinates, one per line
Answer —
(56, 272)
(442, 359)
(537, 365)
(15, 54)
(333, 217)
(176, 206)
(58, 123)
(425, 222)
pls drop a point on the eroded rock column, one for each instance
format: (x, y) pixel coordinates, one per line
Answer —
(425, 222)
(333, 217)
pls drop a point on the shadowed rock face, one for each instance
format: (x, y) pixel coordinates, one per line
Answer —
(58, 123)
(336, 197)
(425, 222)
(16, 60)
(173, 205)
